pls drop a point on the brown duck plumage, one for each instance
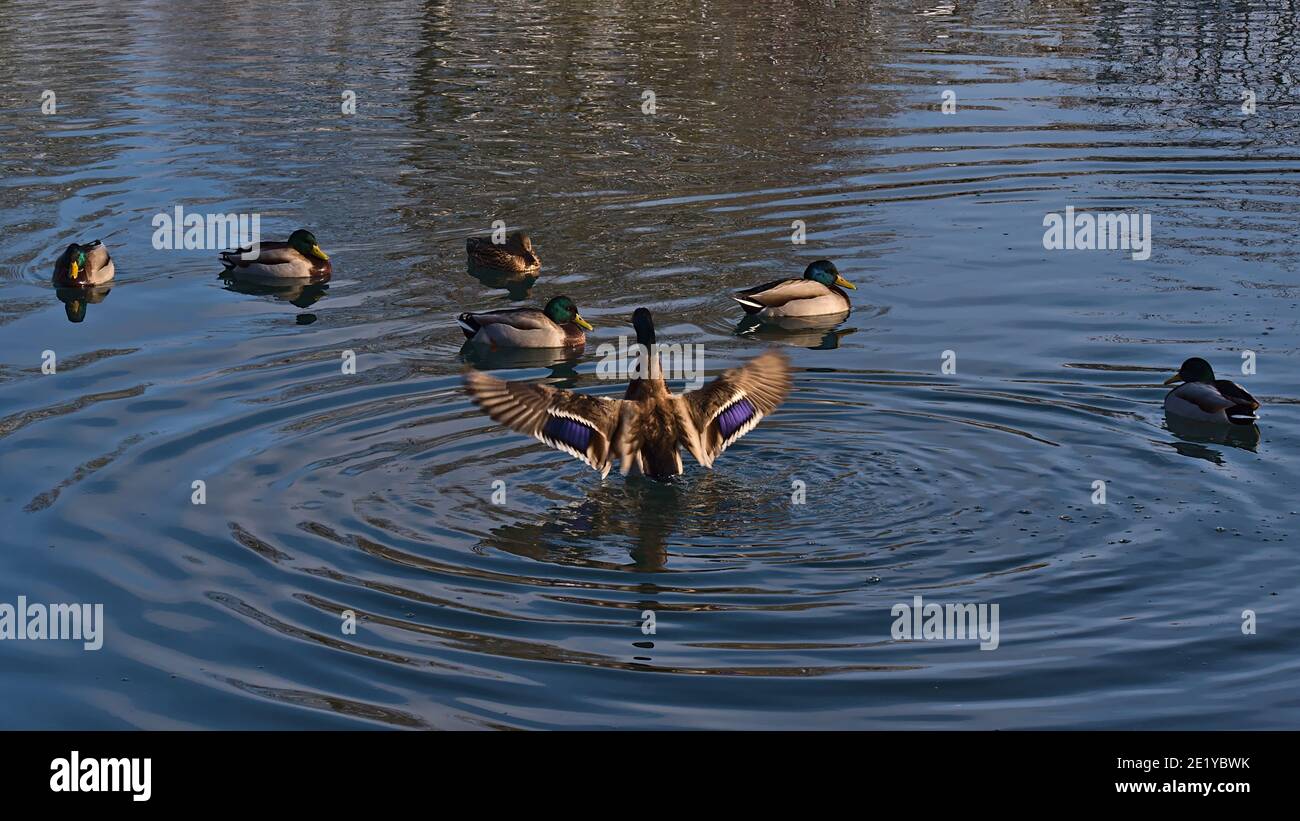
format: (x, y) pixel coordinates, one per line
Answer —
(646, 429)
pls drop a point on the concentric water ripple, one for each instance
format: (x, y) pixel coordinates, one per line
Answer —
(771, 578)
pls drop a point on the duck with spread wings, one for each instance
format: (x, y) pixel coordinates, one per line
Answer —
(646, 429)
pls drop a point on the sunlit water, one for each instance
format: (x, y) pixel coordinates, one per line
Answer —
(373, 492)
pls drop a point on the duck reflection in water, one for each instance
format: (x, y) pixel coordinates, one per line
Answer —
(1195, 436)
(562, 362)
(75, 300)
(518, 286)
(643, 515)
(819, 333)
(299, 293)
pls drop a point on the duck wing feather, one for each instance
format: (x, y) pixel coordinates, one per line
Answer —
(577, 424)
(721, 412)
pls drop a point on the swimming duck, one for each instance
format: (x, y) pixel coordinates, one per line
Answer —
(558, 325)
(647, 427)
(1203, 398)
(298, 258)
(816, 294)
(83, 266)
(515, 254)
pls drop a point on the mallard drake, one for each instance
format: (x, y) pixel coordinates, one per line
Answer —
(298, 258)
(1202, 398)
(647, 427)
(558, 325)
(515, 254)
(83, 266)
(816, 294)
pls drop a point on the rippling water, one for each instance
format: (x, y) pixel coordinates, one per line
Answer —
(372, 492)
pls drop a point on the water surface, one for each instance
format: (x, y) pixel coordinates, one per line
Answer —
(372, 492)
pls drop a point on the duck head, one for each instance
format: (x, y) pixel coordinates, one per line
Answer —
(76, 257)
(561, 310)
(824, 271)
(304, 242)
(521, 244)
(1193, 370)
(645, 326)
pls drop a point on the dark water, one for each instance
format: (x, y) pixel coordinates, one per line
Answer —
(372, 492)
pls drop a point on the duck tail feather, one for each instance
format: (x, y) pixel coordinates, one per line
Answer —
(468, 325)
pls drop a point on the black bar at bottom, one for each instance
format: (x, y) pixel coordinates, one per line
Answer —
(217, 770)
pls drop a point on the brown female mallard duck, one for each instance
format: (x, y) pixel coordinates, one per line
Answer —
(514, 255)
(558, 325)
(300, 257)
(647, 427)
(816, 294)
(1202, 398)
(83, 266)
